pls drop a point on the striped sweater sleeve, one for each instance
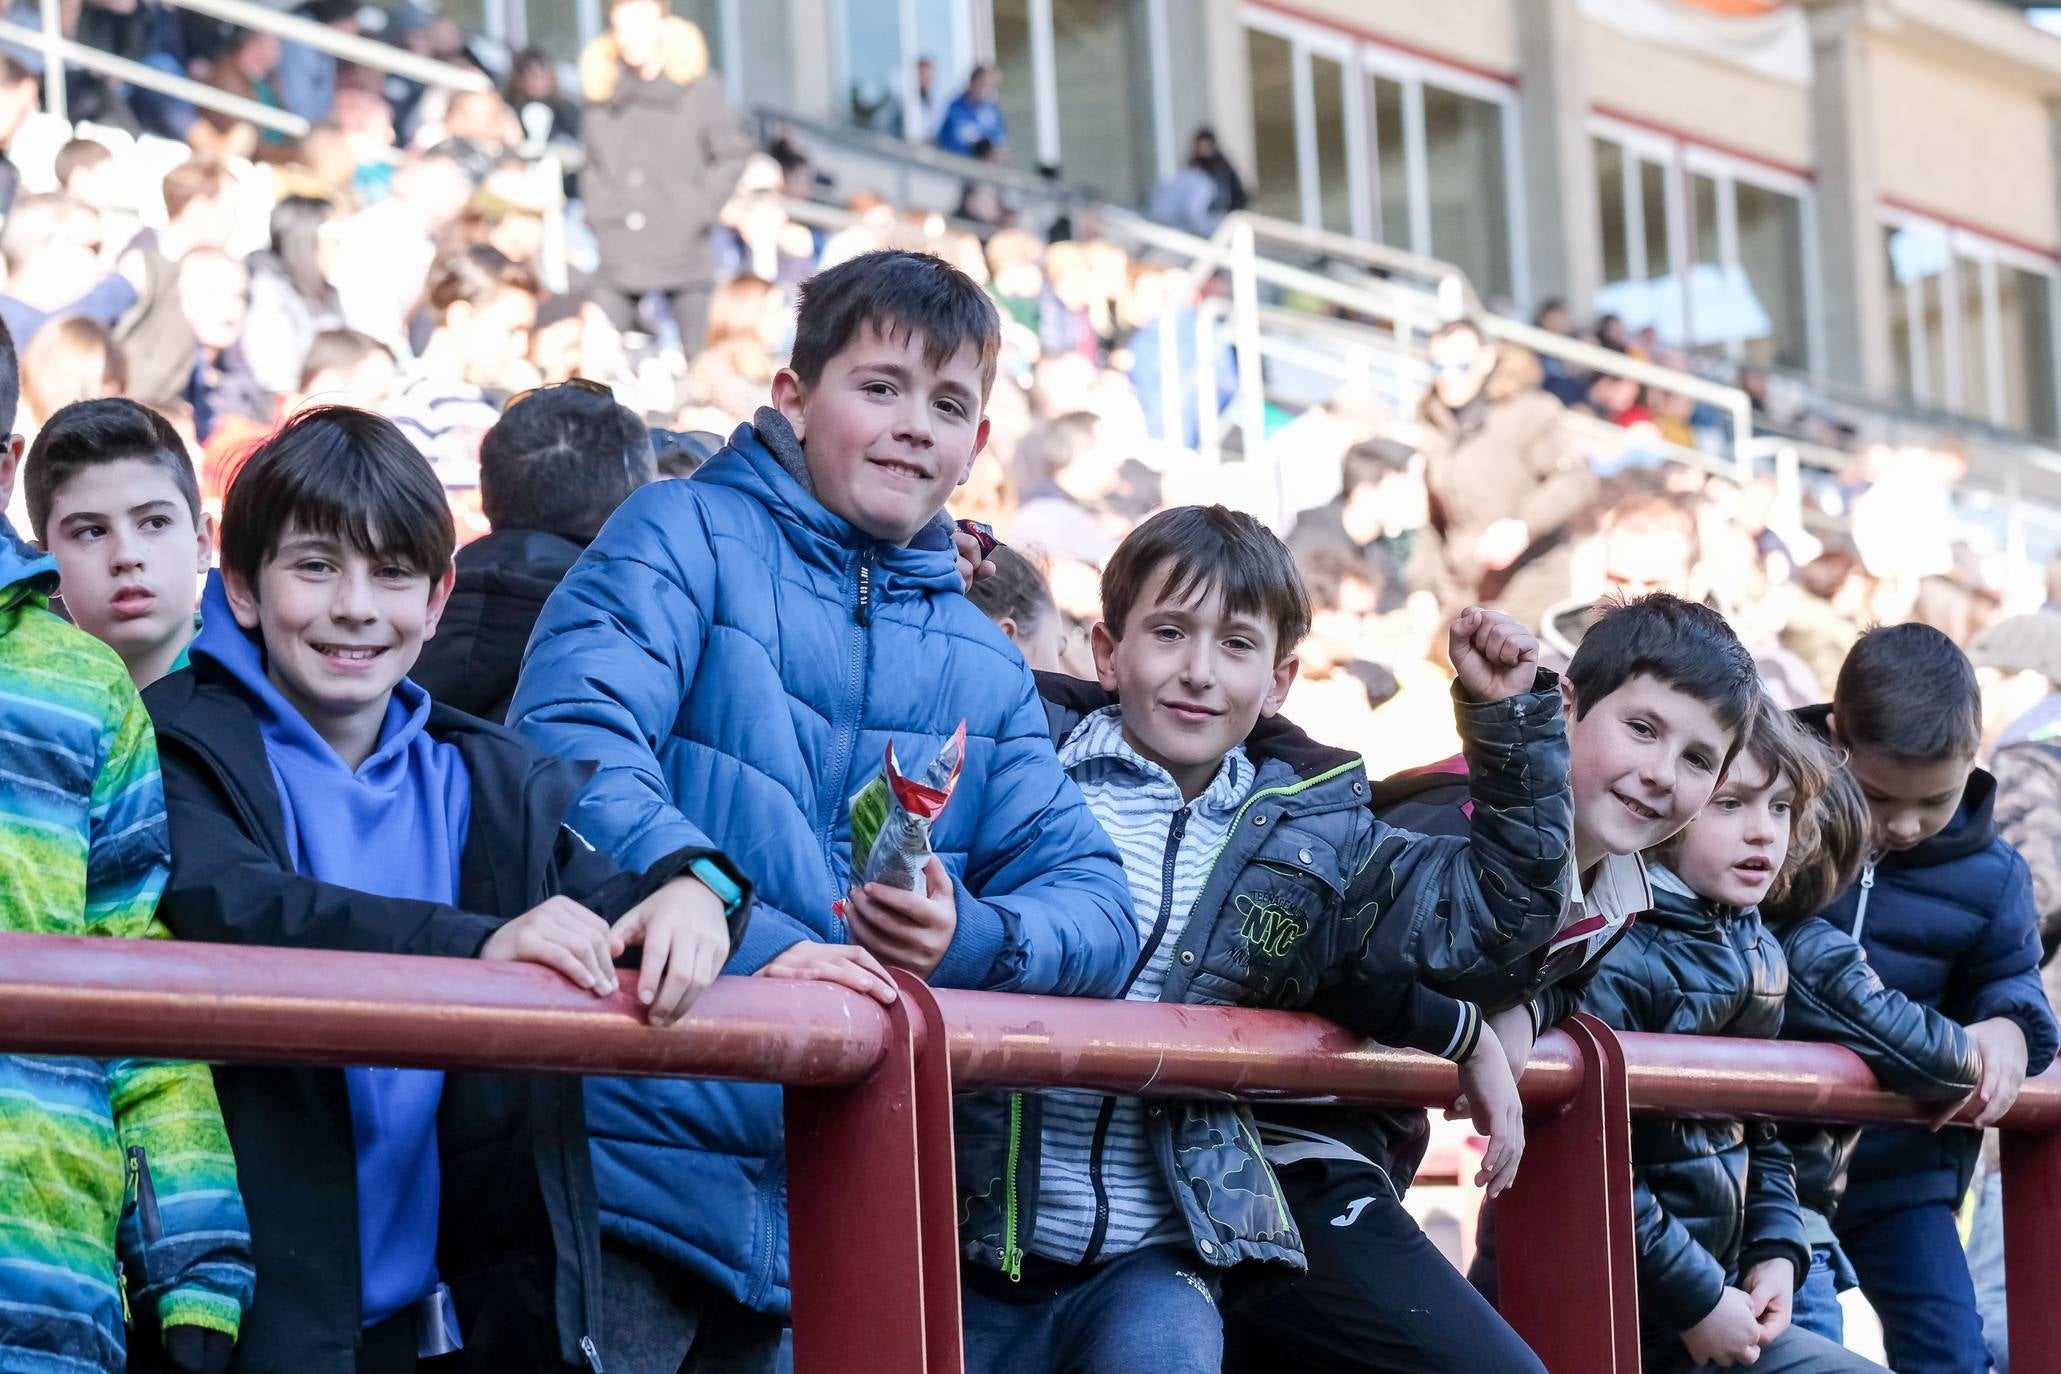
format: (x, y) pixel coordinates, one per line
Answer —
(183, 1231)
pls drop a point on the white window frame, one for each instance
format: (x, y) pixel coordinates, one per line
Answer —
(1680, 159)
(1988, 255)
(1363, 60)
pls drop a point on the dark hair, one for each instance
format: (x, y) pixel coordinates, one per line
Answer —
(1908, 692)
(1838, 821)
(1018, 591)
(195, 179)
(343, 474)
(1325, 575)
(475, 275)
(296, 229)
(900, 294)
(89, 434)
(562, 459)
(10, 381)
(1370, 460)
(1209, 548)
(76, 156)
(1685, 645)
(334, 349)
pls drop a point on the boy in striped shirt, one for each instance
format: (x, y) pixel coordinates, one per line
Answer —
(1260, 878)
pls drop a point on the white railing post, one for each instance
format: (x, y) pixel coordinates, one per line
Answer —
(1252, 401)
(53, 60)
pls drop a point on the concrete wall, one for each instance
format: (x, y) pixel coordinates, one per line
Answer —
(1693, 94)
(1950, 140)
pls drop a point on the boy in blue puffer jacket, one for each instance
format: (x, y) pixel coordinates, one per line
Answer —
(1944, 910)
(736, 653)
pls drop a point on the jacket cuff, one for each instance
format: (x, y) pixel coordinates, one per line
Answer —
(1527, 706)
(1679, 1305)
(969, 960)
(1799, 1258)
(770, 934)
(201, 1307)
(679, 864)
(454, 934)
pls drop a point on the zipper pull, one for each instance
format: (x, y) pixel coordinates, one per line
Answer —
(593, 1355)
(1014, 1268)
(122, 1283)
(1868, 874)
(862, 609)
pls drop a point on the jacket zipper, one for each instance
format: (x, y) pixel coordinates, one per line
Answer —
(593, 1355)
(846, 740)
(1099, 1233)
(1012, 1256)
(147, 1214)
(1860, 912)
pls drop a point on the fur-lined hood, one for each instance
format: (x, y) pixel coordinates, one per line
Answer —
(1516, 372)
(685, 54)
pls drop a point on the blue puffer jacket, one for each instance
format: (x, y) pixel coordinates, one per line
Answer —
(736, 659)
(1950, 925)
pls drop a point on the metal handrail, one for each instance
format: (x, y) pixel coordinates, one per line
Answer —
(363, 52)
(58, 50)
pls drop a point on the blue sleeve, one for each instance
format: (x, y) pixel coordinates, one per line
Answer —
(1043, 904)
(2000, 973)
(105, 303)
(611, 659)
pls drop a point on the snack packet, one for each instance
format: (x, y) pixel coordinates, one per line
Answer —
(892, 816)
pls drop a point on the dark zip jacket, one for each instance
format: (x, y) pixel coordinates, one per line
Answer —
(518, 1236)
(1309, 904)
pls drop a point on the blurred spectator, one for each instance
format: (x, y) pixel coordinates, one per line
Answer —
(1564, 382)
(2020, 659)
(366, 121)
(1019, 601)
(551, 471)
(291, 300)
(484, 307)
(479, 130)
(920, 122)
(52, 247)
(307, 76)
(19, 94)
(72, 359)
(573, 338)
(975, 116)
(1374, 520)
(1230, 187)
(1505, 482)
(748, 327)
(648, 88)
(2053, 601)
(436, 37)
(543, 112)
(200, 198)
(343, 367)
(1336, 690)
(1067, 476)
(384, 252)
(1826, 618)
(248, 67)
(1068, 320)
(507, 215)
(1156, 292)
(214, 291)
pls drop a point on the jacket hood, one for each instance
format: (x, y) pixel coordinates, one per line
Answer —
(1070, 700)
(764, 460)
(1677, 908)
(23, 571)
(1516, 372)
(1973, 828)
(684, 58)
(240, 654)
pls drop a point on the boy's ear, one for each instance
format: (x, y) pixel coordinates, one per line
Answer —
(10, 467)
(1568, 706)
(788, 398)
(1102, 642)
(1284, 678)
(980, 442)
(242, 598)
(439, 597)
(204, 541)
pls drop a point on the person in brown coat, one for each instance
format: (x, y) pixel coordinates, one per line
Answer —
(1505, 480)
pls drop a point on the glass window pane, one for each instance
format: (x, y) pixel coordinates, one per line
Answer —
(706, 15)
(1709, 314)
(1665, 300)
(1899, 317)
(1470, 212)
(1974, 339)
(1018, 97)
(1610, 209)
(1390, 161)
(1105, 100)
(1918, 260)
(1334, 183)
(554, 26)
(1771, 257)
(1270, 63)
(873, 65)
(2025, 304)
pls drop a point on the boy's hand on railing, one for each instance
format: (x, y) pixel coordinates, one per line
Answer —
(910, 930)
(1493, 656)
(2001, 1042)
(1488, 1097)
(847, 966)
(1729, 1336)
(1512, 1026)
(1771, 1292)
(685, 941)
(560, 934)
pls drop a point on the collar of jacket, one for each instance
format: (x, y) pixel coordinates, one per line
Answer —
(1677, 908)
(1972, 830)
(1516, 371)
(1099, 738)
(764, 460)
(683, 57)
(1275, 739)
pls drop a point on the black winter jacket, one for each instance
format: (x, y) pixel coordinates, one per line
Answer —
(519, 1239)
(503, 581)
(1711, 1198)
(1308, 905)
(1835, 995)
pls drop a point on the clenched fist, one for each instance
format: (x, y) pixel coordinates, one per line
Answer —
(1493, 656)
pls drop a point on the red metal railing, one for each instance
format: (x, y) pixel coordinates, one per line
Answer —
(869, 1133)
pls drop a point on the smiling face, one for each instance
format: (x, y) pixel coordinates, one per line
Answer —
(887, 435)
(128, 557)
(1908, 803)
(1736, 846)
(341, 628)
(1194, 679)
(1641, 763)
